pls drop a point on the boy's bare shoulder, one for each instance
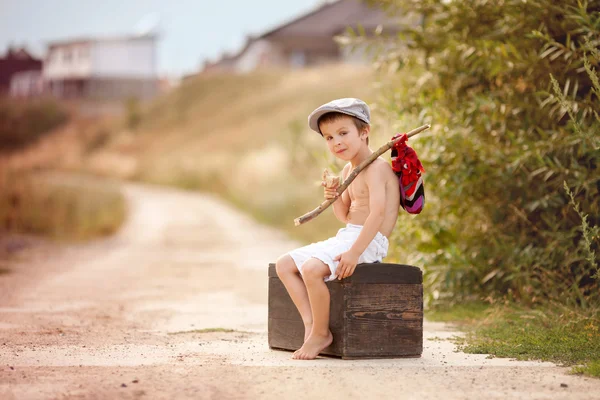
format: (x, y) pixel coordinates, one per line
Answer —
(380, 168)
(346, 170)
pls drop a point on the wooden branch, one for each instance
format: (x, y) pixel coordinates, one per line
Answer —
(310, 215)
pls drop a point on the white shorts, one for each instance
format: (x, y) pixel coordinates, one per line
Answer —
(327, 250)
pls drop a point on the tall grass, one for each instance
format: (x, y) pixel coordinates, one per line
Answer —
(59, 206)
(23, 122)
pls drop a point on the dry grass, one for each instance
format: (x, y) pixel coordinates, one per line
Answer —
(244, 137)
(34, 199)
(22, 122)
(64, 207)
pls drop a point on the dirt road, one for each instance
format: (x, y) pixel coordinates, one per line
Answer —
(130, 317)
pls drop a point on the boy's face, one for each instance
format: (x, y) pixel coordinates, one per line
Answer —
(343, 138)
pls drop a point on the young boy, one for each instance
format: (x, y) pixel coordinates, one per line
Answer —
(369, 207)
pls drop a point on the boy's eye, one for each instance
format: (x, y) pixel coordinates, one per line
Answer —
(342, 133)
(328, 138)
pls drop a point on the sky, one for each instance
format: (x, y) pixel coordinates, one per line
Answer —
(191, 30)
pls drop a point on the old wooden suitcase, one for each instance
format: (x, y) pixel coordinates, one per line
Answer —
(375, 313)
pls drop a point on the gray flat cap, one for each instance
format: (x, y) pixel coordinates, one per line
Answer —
(350, 106)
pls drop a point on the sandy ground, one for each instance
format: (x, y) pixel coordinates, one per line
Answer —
(124, 318)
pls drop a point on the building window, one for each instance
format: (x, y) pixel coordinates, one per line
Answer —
(83, 53)
(55, 56)
(298, 59)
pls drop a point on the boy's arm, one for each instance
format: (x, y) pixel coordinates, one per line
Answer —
(342, 204)
(375, 179)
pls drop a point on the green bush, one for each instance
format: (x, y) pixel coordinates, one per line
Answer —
(511, 89)
(21, 123)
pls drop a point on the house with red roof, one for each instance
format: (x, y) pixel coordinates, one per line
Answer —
(15, 61)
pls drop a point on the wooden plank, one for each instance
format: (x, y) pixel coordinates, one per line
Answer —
(281, 305)
(272, 273)
(385, 273)
(285, 327)
(285, 334)
(386, 338)
(336, 318)
(377, 273)
(385, 298)
(384, 320)
(382, 357)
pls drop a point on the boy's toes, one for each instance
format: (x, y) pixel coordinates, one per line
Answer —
(299, 355)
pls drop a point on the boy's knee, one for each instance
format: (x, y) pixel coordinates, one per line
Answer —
(315, 269)
(285, 265)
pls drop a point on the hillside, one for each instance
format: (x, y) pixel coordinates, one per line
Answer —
(244, 138)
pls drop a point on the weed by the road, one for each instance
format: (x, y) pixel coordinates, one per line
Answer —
(465, 313)
(64, 207)
(437, 339)
(206, 330)
(552, 333)
(592, 368)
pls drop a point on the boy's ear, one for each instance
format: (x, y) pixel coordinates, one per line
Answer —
(365, 132)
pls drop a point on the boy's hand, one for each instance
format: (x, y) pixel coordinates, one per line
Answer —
(331, 184)
(331, 193)
(347, 265)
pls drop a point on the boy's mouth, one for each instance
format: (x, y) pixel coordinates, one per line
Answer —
(340, 151)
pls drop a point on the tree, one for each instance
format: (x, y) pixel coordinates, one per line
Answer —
(511, 88)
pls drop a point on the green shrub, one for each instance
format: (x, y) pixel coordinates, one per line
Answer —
(21, 123)
(512, 90)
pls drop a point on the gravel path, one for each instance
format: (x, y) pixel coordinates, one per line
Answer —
(126, 317)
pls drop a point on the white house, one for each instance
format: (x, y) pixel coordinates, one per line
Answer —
(105, 68)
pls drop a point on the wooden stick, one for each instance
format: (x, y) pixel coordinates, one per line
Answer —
(312, 214)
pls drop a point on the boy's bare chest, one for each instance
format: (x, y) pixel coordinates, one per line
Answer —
(358, 189)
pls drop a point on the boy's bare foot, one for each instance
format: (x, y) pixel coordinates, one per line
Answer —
(307, 330)
(313, 346)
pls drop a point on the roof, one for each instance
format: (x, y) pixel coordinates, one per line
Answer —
(86, 40)
(332, 18)
(326, 21)
(17, 54)
(16, 60)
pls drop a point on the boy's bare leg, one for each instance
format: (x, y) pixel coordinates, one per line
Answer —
(290, 277)
(320, 337)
